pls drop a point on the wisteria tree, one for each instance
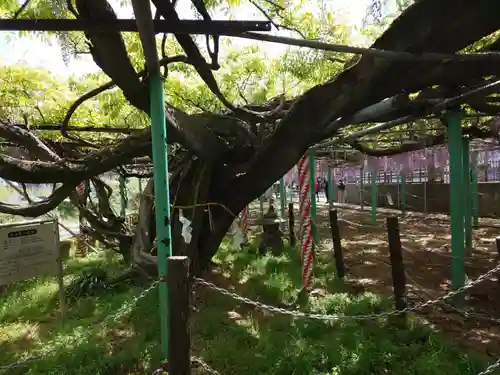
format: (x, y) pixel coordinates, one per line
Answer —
(235, 123)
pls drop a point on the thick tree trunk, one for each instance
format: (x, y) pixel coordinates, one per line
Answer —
(192, 191)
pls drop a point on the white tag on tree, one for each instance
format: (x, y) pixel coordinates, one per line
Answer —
(186, 229)
(389, 199)
(238, 237)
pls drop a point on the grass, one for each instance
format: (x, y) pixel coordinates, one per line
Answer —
(31, 326)
(231, 337)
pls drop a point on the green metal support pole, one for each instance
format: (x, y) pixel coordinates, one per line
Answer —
(144, 20)
(402, 178)
(467, 194)
(162, 196)
(140, 185)
(312, 189)
(123, 196)
(474, 190)
(398, 190)
(398, 183)
(335, 192)
(425, 196)
(374, 196)
(362, 188)
(456, 201)
(283, 202)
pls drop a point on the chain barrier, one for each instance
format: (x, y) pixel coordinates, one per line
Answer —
(205, 366)
(315, 316)
(196, 362)
(23, 363)
(130, 304)
(479, 316)
(356, 225)
(491, 368)
(299, 314)
(473, 315)
(294, 313)
(122, 311)
(431, 302)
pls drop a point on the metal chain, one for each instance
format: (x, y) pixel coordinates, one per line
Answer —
(490, 368)
(130, 304)
(279, 310)
(133, 302)
(125, 309)
(159, 371)
(356, 225)
(468, 314)
(300, 314)
(23, 363)
(205, 366)
(480, 316)
(194, 361)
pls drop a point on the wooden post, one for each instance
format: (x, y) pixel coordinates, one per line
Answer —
(397, 266)
(497, 242)
(337, 244)
(60, 275)
(291, 225)
(179, 340)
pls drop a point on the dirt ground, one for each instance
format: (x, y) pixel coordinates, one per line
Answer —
(427, 259)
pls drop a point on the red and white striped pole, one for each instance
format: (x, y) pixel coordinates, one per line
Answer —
(80, 189)
(305, 228)
(244, 223)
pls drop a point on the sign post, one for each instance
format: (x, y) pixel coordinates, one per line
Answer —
(31, 249)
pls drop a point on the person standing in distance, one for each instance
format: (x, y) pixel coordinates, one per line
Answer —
(327, 193)
(341, 191)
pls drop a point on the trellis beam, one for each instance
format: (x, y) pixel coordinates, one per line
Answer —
(129, 25)
(441, 106)
(92, 129)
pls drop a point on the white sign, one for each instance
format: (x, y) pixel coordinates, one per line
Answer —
(28, 249)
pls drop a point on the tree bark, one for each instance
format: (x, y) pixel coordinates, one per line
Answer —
(192, 191)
